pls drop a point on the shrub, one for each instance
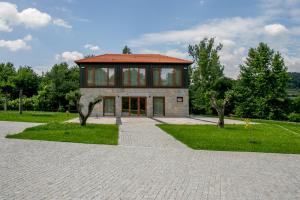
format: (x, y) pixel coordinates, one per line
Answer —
(294, 117)
(61, 109)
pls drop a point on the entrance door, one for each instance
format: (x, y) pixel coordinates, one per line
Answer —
(158, 106)
(133, 106)
(109, 106)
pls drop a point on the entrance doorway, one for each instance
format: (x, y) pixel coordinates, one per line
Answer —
(158, 106)
(133, 106)
(109, 106)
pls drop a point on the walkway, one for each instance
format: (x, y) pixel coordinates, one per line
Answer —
(141, 167)
(143, 132)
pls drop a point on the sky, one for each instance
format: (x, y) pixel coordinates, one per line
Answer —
(40, 33)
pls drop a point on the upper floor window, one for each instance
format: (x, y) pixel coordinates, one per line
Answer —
(167, 77)
(134, 77)
(100, 76)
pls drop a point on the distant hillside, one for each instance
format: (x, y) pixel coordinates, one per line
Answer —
(294, 83)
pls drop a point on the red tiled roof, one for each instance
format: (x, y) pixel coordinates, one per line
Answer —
(133, 58)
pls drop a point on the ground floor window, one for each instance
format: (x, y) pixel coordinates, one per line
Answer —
(109, 106)
(133, 106)
(158, 106)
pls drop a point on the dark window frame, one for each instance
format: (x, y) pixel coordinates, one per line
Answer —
(93, 85)
(174, 77)
(129, 78)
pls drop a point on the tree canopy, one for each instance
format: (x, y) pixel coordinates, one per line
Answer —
(126, 50)
(261, 87)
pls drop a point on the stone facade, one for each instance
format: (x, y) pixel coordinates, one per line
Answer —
(172, 107)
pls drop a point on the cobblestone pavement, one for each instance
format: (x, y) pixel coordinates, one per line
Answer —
(137, 170)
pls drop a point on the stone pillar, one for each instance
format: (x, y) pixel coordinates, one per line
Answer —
(118, 106)
(150, 106)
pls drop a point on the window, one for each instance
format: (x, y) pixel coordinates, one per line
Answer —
(135, 77)
(167, 77)
(100, 76)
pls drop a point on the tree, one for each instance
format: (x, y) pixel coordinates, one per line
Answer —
(7, 72)
(206, 71)
(83, 117)
(57, 83)
(219, 105)
(126, 50)
(6, 88)
(27, 82)
(261, 88)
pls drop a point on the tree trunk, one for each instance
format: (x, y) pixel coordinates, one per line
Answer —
(21, 101)
(83, 118)
(221, 120)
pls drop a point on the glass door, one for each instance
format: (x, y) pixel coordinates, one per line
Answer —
(109, 106)
(133, 106)
(158, 106)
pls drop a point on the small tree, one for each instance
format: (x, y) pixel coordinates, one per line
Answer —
(206, 71)
(126, 50)
(6, 88)
(83, 117)
(219, 105)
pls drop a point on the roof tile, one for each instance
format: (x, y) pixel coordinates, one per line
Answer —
(133, 58)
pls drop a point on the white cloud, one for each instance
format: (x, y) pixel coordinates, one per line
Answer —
(222, 29)
(171, 52)
(61, 22)
(69, 56)
(275, 29)
(15, 45)
(237, 34)
(293, 63)
(34, 18)
(92, 47)
(29, 17)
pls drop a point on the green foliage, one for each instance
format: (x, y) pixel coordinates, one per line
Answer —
(294, 117)
(126, 50)
(206, 71)
(261, 89)
(27, 80)
(59, 81)
(69, 132)
(39, 92)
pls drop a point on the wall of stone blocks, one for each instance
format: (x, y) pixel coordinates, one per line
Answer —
(172, 107)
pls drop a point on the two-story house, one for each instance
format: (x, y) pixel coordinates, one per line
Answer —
(136, 84)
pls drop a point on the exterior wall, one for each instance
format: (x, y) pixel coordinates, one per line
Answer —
(172, 107)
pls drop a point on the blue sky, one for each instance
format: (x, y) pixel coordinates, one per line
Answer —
(41, 33)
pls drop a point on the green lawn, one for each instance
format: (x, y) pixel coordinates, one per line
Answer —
(71, 132)
(35, 116)
(266, 137)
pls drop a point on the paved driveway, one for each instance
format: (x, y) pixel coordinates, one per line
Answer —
(138, 169)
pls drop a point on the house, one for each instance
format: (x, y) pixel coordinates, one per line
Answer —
(135, 84)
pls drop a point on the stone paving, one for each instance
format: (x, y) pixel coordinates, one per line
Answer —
(137, 169)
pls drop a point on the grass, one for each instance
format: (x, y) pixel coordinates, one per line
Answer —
(35, 116)
(270, 137)
(71, 132)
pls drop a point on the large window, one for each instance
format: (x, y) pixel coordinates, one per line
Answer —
(167, 77)
(134, 77)
(100, 76)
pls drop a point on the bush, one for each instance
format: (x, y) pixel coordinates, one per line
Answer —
(294, 117)
(61, 109)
